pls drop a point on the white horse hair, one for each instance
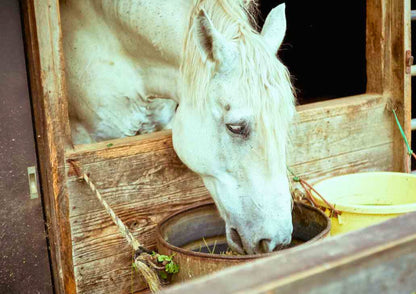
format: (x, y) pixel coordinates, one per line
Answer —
(130, 63)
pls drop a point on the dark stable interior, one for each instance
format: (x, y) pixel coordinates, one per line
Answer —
(324, 47)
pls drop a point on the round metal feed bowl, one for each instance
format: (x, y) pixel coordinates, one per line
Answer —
(189, 232)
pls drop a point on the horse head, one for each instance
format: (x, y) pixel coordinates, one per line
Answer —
(232, 123)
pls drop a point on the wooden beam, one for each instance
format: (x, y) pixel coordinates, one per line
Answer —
(376, 46)
(387, 40)
(47, 88)
(400, 82)
(377, 259)
(341, 136)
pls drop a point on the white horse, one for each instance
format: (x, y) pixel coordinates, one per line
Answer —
(129, 63)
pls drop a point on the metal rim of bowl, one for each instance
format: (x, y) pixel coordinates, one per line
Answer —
(232, 257)
(368, 209)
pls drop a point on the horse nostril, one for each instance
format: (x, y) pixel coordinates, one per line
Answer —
(264, 246)
(235, 237)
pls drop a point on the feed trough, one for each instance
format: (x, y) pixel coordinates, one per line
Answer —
(196, 236)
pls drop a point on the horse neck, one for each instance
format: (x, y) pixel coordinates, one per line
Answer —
(151, 34)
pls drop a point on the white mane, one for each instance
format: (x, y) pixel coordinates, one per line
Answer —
(266, 80)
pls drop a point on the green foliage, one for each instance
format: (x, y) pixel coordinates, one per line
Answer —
(171, 267)
(163, 275)
(162, 258)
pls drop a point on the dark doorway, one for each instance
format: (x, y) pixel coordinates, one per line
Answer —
(324, 47)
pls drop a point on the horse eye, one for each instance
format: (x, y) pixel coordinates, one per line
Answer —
(241, 129)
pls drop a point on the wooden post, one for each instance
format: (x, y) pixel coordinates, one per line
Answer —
(400, 84)
(388, 39)
(47, 87)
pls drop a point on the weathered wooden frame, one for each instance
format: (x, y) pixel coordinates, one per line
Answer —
(144, 180)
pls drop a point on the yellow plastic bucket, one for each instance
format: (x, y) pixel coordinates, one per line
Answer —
(367, 198)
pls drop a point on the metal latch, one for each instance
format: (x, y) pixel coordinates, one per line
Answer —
(409, 61)
(33, 182)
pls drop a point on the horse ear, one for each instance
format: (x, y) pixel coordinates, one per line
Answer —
(212, 43)
(274, 28)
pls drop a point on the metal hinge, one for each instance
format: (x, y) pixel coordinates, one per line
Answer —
(33, 182)
(409, 61)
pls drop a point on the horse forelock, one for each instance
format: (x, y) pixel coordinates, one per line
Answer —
(267, 89)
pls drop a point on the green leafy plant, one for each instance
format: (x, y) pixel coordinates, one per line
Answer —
(171, 267)
(162, 258)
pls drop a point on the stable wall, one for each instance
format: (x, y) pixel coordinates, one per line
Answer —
(142, 178)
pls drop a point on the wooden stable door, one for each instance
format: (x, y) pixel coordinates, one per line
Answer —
(24, 262)
(142, 178)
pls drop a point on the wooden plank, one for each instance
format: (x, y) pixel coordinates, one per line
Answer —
(377, 259)
(47, 85)
(376, 45)
(143, 180)
(147, 183)
(145, 170)
(407, 81)
(112, 274)
(369, 159)
(400, 85)
(328, 129)
(388, 39)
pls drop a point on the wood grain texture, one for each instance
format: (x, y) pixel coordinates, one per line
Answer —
(47, 88)
(376, 45)
(341, 136)
(143, 180)
(407, 78)
(399, 81)
(377, 259)
(387, 40)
